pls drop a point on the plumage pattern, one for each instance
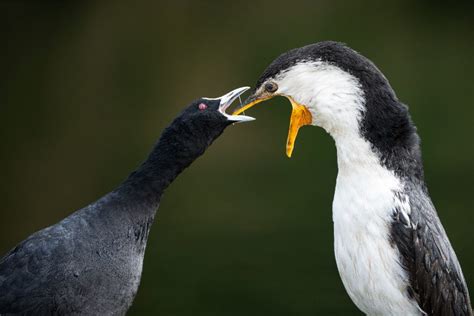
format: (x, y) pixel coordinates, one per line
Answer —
(393, 254)
(436, 279)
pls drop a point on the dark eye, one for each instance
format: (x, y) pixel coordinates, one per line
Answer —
(271, 87)
(202, 106)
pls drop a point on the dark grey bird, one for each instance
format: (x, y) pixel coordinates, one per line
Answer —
(90, 263)
(392, 252)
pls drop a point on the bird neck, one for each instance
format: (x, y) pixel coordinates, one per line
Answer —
(176, 149)
(386, 137)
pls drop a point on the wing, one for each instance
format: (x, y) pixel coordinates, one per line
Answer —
(436, 279)
(29, 269)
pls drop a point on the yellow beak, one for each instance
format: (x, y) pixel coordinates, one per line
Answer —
(300, 116)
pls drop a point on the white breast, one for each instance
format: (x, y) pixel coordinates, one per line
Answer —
(364, 199)
(368, 263)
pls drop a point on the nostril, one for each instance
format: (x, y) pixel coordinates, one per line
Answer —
(202, 107)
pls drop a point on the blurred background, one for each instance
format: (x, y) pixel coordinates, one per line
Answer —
(87, 87)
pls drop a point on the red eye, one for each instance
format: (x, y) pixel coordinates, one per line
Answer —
(202, 107)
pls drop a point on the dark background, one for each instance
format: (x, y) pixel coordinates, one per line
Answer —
(87, 87)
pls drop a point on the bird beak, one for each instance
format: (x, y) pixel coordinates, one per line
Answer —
(300, 116)
(226, 101)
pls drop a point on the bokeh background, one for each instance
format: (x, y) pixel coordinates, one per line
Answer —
(87, 87)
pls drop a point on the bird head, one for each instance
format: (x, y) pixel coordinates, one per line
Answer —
(200, 123)
(209, 114)
(328, 84)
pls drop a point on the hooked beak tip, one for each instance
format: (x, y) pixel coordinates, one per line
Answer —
(228, 98)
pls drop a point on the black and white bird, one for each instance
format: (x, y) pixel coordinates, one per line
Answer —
(392, 252)
(90, 263)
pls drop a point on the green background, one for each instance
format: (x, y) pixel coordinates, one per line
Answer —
(87, 87)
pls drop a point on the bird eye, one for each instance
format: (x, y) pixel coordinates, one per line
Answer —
(202, 106)
(271, 87)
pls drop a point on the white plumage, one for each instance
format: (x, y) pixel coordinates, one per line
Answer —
(392, 252)
(364, 198)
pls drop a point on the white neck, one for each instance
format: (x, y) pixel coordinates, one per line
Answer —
(354, 152)
(362, 212)
(365, 196)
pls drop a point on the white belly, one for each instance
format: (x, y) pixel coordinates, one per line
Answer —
(368, 264)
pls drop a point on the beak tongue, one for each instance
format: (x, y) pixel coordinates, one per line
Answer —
(300, 116)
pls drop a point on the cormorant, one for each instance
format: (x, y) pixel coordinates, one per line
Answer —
(392, 253)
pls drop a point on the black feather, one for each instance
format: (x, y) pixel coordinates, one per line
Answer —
(436, 279)
(90, 263)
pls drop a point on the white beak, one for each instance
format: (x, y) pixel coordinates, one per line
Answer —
(226, 101)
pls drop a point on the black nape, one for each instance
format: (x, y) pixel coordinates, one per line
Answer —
(387, 125)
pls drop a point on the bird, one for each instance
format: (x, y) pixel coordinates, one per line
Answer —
(392, 252)
(90, 263)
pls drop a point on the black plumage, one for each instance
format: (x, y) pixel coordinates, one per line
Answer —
(436, 279)
(90, 263)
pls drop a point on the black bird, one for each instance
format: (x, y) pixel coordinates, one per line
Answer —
(392, 252)
(90, 263)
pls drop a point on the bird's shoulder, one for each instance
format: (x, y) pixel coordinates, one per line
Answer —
(435, 276)
(32, 269)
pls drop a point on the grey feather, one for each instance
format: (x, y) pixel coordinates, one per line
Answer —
(43, 273)
(90, 263)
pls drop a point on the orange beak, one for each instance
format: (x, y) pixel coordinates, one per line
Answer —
(300, 116)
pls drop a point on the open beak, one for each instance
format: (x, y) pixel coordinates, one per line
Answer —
(300, 116)
(226, 101)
